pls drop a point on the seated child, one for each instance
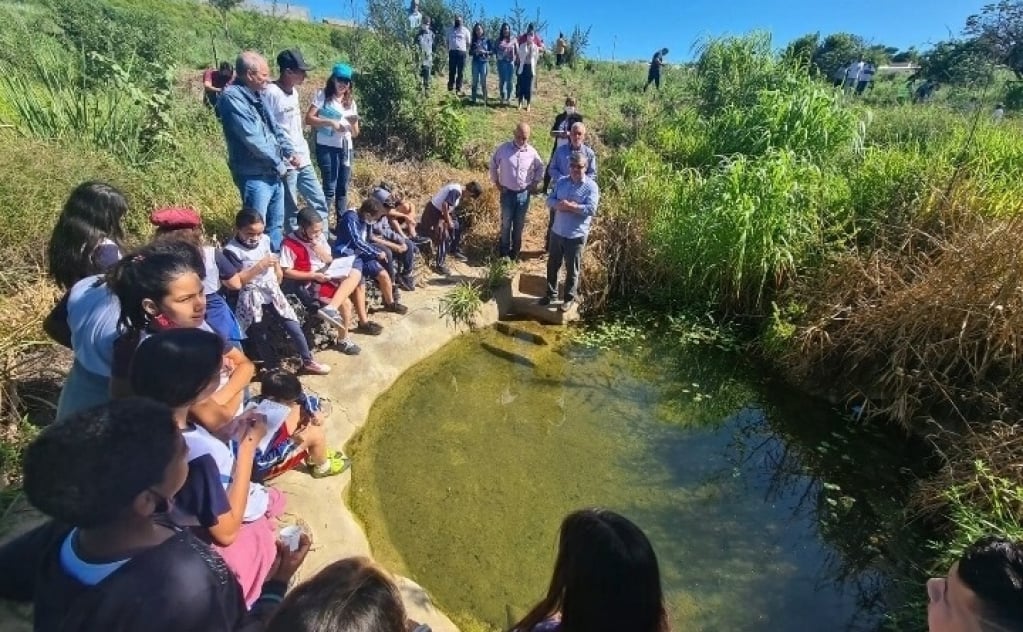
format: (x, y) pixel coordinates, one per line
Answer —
(354, 231)
(179, 367)
(304, 255)
(185, 224)
(441, 224)
(402, 249)
(109, 558)
(402, 216)
(301, 438)
(261, 299)
(350, 594)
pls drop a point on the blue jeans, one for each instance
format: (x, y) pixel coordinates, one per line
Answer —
(265, 194)
(505, 72)
(336, 176)
(513, 217)
(303, 182)
(480, 67)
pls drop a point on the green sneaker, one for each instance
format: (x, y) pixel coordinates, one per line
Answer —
(338, 463)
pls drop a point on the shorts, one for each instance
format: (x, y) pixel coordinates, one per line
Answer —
(282, 455)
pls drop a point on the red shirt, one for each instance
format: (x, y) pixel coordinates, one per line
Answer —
(216, 79)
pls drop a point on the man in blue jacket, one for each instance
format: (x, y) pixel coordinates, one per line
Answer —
(259, 152)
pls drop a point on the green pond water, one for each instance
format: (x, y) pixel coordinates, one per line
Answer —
(761, 505)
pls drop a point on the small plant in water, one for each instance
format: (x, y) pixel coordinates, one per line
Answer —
(461, 306)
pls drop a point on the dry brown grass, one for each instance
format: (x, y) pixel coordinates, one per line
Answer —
(925, 328)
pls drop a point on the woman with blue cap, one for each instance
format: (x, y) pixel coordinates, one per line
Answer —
(335, 117)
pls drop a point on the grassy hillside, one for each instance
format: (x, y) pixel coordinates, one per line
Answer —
(868, 248)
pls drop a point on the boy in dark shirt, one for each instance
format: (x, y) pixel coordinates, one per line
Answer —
(111, 559)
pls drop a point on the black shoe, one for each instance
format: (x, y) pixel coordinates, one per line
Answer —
(406, 283)
(369, 328)
(458, 255)
(545, 301)
(421, 241)
(396, 307)
(443, 270)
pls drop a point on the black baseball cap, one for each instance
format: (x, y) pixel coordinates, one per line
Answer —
(291, 59)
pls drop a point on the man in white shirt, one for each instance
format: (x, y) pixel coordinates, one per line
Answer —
(282, 103)
(458, 46)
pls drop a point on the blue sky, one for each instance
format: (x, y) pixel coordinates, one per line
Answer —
(633, 29)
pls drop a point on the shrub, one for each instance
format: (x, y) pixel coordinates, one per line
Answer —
(733, 237)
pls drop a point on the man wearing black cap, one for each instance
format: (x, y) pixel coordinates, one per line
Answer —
(282, 102)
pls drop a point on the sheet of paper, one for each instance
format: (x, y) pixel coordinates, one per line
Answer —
(339, 268)
(276, 415)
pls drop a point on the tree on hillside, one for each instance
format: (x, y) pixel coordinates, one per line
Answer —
(577, 43)
(957, 62)
(998, 30)
(838, 50)
(803, 49)
(225, 6)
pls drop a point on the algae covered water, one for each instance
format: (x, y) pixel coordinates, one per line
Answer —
(468, 464)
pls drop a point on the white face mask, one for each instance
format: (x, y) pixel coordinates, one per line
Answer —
(569, 109)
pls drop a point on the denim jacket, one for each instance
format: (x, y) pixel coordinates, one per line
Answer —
(256, 144)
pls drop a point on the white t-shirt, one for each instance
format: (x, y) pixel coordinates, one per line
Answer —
(315, 263)
(200, 443)
(287, 111)
(336, 111)
(450, 194)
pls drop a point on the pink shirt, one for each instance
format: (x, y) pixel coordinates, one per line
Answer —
(516, 168)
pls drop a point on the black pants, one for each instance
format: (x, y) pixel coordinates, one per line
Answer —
(524, 87)
(559, 59)
(654, 77)
(456, 68)
(424, 74)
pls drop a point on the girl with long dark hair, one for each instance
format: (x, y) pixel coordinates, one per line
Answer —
(606, 579)
(160, 287)
(507, 49)
(87, 238)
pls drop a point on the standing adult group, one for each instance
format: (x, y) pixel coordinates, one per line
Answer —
(516, 56)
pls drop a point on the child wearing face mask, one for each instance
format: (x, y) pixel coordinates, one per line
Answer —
(160, 287)
(559, 132)
(261, 299)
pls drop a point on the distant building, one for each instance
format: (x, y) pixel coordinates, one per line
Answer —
(278, 9)
(898, 68)
(339, 22)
